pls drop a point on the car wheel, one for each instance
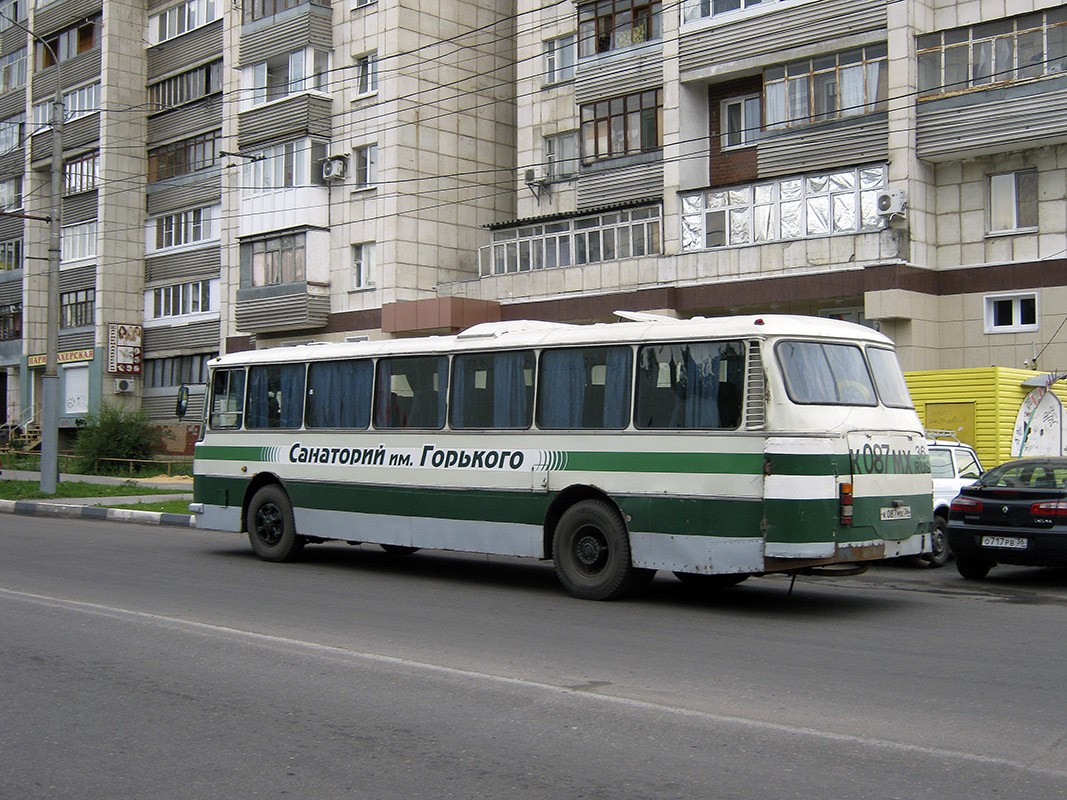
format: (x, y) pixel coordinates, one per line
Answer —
(973, 569)
(939, 549)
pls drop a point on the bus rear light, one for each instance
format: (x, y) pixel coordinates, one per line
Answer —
(846, 503)
(966, 505)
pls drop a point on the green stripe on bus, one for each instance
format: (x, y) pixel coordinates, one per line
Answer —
(231, 452)
(699, 463)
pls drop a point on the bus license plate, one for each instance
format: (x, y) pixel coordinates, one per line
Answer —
(903, 512)
(1010, 542)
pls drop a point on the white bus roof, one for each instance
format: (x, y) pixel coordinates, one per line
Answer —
(519, 334)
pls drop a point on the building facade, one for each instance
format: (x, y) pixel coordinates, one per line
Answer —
(274, 171)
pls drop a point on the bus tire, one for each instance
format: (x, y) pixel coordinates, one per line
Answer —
(700, 582)
(271, 527)
(591, 552)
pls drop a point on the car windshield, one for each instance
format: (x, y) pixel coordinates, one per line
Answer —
(1027, 475)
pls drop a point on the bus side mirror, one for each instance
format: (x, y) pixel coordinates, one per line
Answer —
(183, 402)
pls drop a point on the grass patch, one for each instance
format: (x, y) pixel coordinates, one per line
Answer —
(31, 490)
(164, 507)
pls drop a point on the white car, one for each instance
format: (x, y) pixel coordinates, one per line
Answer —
(953, 466)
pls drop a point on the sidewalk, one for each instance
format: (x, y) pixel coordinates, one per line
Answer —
(89, 507)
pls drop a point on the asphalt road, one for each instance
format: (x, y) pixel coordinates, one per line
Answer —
(142, 662)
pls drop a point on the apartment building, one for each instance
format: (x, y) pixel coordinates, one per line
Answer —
(273, 171)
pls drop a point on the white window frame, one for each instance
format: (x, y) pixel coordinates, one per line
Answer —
(81, 174)
(182, 301)
(293, 75)
(366, 74)
(561, 56)
(562, 154)
(364, 265)
(76, 103)
(11, 133)
(362, 3)
(284, 166)
(12, 10)
(751, 109)
(11, 194)
(1003, 189)
(186, 229)
(182, 18)
(1016, 300)
(365, 166)
(13, 70)
(78, 242)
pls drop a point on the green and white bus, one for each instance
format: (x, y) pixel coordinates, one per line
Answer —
(714, 448)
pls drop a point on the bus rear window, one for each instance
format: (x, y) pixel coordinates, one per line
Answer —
(690, 385)
(888, 377)
(821, 373)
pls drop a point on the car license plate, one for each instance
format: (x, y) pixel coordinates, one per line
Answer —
(902, 512)
(1009, 542)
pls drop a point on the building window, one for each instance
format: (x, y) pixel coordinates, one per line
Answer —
(182, 157)
(583, 240)
(285, 166)
(699, 9)
(11, 194)
(11, 254)
(1013, 201)
(559, 60)
(78, 241)
(13, 70)
(787, 208)
(290, 73)
(279, 259)
(11, 11)
(622, 126)
(367, 73)
(185, 88)
(365, 165)
(181, 299)
(561, 155)
(76, 308)
(183, 17)
(11, 133)
(69, 42)
(363, 3)
(176, 370)
(259, 9)
(11, 321)
(740, 121)
(826, 87)
(363, 265)
(76, 103)
(611, 24)
(80, 174)
(182, 228)
(1011, 313)
(994, 52)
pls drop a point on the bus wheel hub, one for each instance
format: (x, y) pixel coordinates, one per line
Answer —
(588, 550)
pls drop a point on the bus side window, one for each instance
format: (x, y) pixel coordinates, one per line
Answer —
(227, 398)
(275, 396)
(411, 392)
(492, 390)
(339, 394)
(695, 385)
(585, 388)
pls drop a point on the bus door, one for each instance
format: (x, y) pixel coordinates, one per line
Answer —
(800, 493)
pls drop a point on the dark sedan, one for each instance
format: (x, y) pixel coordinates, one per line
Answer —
(1015, 514)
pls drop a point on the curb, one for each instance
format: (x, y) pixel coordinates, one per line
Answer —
(32, 508)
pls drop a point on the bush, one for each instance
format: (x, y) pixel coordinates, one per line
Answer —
(115, 433)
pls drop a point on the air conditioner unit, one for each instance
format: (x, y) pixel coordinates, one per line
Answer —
(335, 168)
(123, 385)
(891, 203)
(534, 176)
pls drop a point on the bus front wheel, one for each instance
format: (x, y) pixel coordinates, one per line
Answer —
(591, 552)
(271, 528)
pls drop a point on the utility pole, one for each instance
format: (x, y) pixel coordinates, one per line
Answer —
(50, 379)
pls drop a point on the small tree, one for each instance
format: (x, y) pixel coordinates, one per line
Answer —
(115, 433)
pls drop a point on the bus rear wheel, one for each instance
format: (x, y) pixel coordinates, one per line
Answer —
(271, 527)
(591, 552)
